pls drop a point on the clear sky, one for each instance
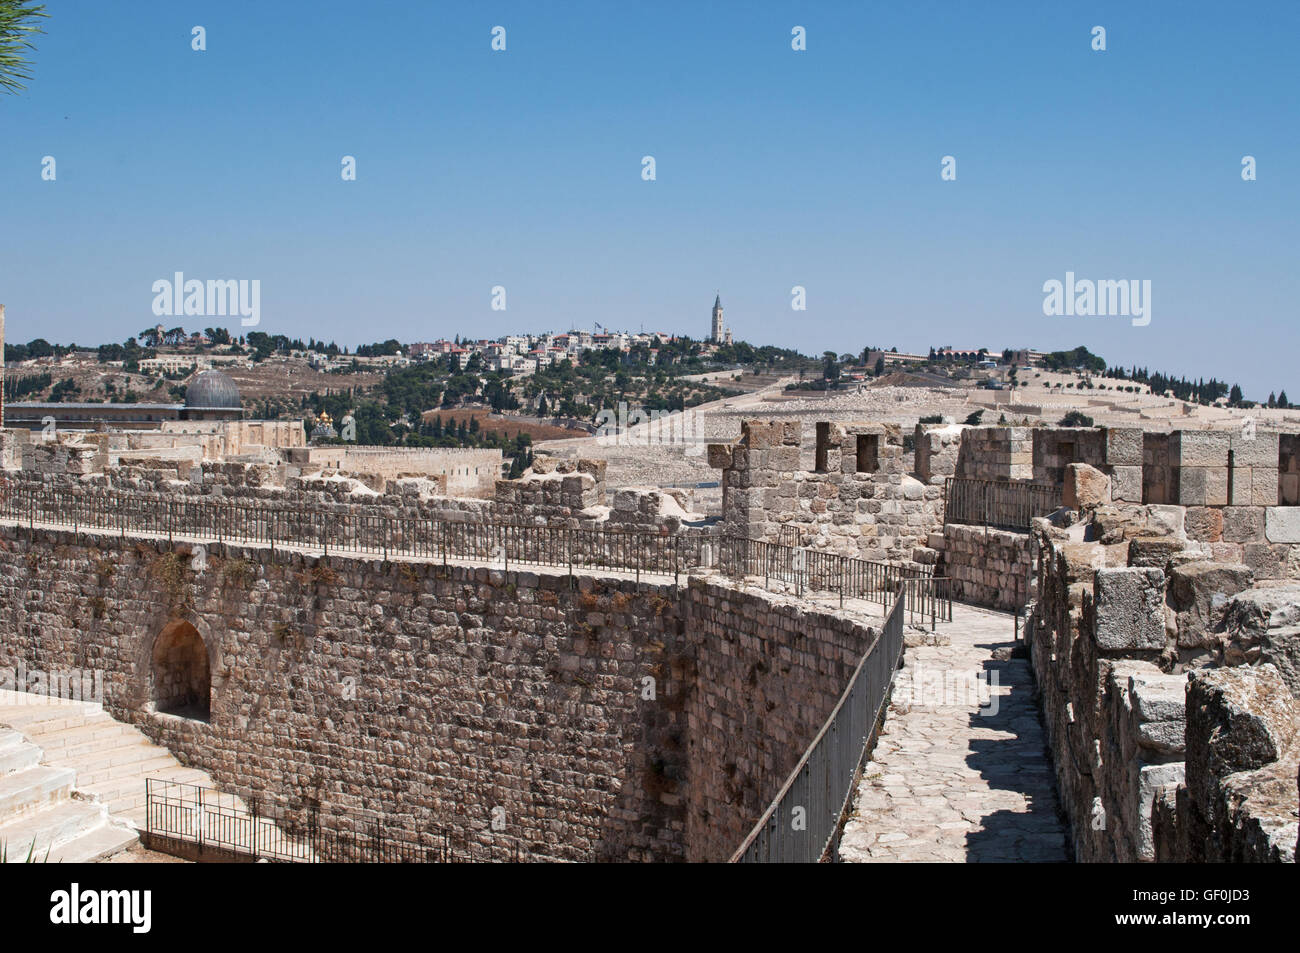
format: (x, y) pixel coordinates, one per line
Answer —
(775, 168)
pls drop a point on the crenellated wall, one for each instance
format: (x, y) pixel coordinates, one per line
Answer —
(1132, 620)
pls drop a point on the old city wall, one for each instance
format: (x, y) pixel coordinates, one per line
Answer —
(1148, 653)
(467, 472)
(432, 696)
(859, 498)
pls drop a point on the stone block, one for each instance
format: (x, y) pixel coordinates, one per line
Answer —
(1153, 551)
(1243, 524)
(1264, 486)
(1166, 519)
(1158, 697)
(1238, 719)
(1203, 486)
(1085, 487)
(1129, 609)
(1124, 446)
(1282, 524)
(1126, 484)
(1266, 561)
(1239, 487)
(1199, 448)
(1163, 737)
(1204, 524)
(1199, 593)
(1262, 451)
(1152, 780)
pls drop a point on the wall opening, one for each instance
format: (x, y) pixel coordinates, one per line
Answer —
(1288, 470)
(868, 453)
(181, 677)
(1232, 466)
(823, 447)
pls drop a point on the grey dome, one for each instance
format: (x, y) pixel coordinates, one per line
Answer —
(212, 389)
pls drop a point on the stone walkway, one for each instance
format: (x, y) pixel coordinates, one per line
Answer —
(961, 771)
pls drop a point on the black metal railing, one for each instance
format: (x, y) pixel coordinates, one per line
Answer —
(801, 822)
(180, 815)
(350, 529)
(998, 504)
(844, 576)
(346, 528)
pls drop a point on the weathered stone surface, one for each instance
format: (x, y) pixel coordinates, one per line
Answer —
(1085, 486)
(1266, 561)
(1152, 780)
(1203, 486)
(1153, 551)
(1204, 524)
(1199, 593)
(1130, 609)
(1238, 719)
(1243, 524)
(1261, 451)
(1199, 448)
(1124, 446)
(1264, 486)
(1159, 697)
(1126, 484)
(1282, 524)
(1241, 725)
(720, 456)
(1262, 625)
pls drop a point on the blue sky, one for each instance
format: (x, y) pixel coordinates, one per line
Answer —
(775, 168)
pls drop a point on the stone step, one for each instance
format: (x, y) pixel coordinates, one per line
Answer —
(33, 789)
(108, 755)
(69, 741)
(40, 719)
(94, 846)
(18, 758)
(50, 829)
(130, 771)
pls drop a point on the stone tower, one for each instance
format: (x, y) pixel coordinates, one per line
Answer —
(716, 335)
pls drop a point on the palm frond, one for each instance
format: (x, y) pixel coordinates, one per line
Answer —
(18, 29)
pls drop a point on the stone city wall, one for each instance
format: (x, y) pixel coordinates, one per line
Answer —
(608, 719)
(859, 499)
(989, 567)
(1120, 624)
(467, 471)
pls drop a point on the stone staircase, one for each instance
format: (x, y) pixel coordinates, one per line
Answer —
(72, 779)
(40, 816)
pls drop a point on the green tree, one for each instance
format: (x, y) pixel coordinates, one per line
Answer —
(18, 28)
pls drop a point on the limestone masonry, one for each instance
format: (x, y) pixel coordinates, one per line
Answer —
(620, 690)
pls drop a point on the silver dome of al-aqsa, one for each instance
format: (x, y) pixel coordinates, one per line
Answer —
(212, 389)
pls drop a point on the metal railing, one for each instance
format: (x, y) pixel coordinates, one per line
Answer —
(179, 815)
(846, 576)
(802, 820)
(350, 529)
(999, 504)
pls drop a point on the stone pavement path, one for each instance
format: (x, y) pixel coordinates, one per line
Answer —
(961, 771)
